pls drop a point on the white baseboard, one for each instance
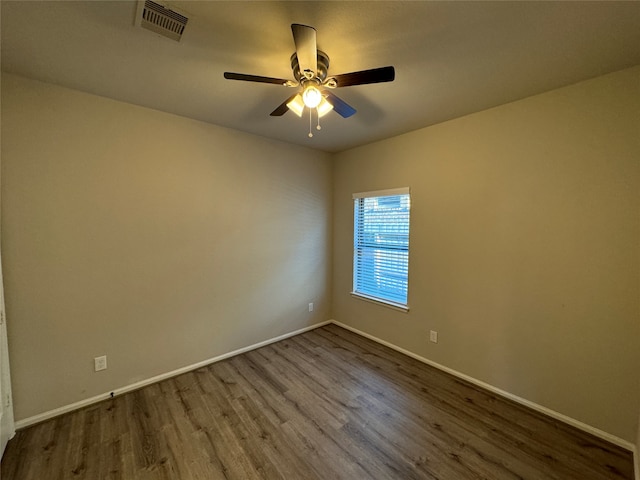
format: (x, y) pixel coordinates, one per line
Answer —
(551, 413)
(135, 386)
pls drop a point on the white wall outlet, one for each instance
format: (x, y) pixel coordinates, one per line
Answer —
(433, 336)
(311, 307)
(100, 363)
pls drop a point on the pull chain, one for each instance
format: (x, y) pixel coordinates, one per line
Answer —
(318, 127)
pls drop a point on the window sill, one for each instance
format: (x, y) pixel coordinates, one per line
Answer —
(384, 303)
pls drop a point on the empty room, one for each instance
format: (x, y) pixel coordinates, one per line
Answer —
(320, 240)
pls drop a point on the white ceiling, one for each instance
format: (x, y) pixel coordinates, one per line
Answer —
(451, 58)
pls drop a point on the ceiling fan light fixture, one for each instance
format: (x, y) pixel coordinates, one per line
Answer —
(296, 105)
(311, 96)
(324, 107)
(310, 68)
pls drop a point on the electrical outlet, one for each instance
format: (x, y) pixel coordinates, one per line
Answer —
(433, 336)
(100, 363)
(311, 307)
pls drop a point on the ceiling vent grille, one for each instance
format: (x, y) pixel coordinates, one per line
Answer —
(163, 21)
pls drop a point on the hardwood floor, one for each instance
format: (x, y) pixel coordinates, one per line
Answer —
(326, 404)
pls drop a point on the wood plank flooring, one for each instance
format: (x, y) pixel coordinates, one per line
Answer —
(326, 404)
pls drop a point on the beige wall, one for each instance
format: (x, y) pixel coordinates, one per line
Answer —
(524, 256)
(7, 429)
(154, 239)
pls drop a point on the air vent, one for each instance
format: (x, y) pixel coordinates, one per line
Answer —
(162, 20)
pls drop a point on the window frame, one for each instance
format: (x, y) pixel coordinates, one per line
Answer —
(357, 249)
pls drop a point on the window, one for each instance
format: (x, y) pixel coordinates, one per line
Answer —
(381, 246)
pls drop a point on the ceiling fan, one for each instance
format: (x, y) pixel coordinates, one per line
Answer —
(310, 69)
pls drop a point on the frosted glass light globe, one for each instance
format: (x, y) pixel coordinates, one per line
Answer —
(311, 97)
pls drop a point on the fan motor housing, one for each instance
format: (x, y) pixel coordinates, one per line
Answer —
(323, 67)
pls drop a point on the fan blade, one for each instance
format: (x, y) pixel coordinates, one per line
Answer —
(282, 109)
(255, 78)
(344, 109)
(306, 48)
(375, 75)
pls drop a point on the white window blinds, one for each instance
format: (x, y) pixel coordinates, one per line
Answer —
(381, 245)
